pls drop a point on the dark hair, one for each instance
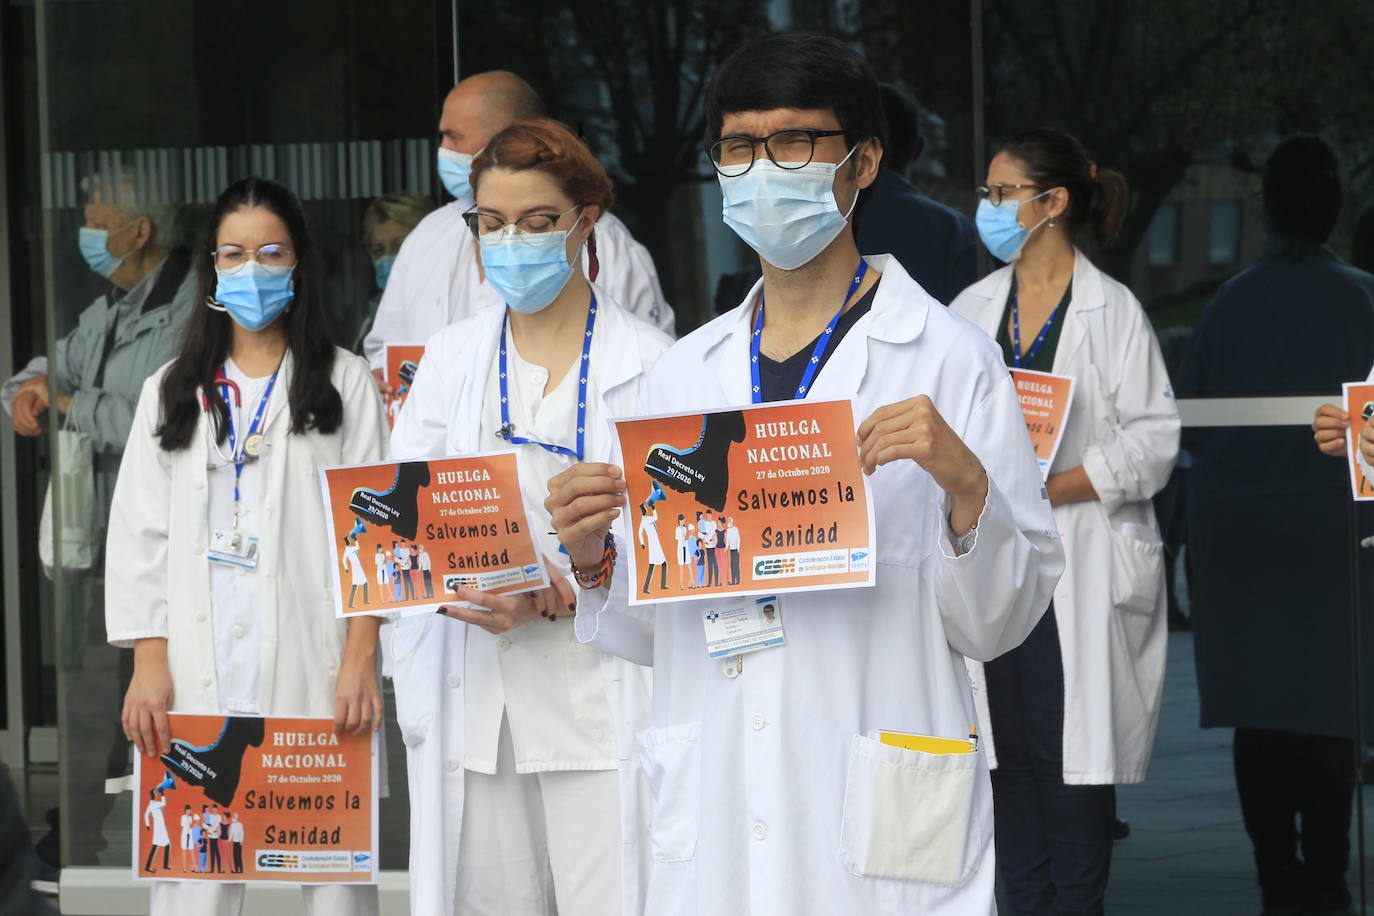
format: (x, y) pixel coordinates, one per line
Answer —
(1302, 189)
(903, 129)
(1054, 159)
(313, 400)
(799, 70)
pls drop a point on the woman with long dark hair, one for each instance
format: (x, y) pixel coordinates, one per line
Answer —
(1072, 711)
(218, 577)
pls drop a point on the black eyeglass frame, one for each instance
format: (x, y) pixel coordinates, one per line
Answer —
(713, 151)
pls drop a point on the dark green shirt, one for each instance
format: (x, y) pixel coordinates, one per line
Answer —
(1044, 357)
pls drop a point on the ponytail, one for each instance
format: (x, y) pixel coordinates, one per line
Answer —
(1107, 203)
(1098, 198)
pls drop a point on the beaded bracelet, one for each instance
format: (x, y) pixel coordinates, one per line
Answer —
(603, 572)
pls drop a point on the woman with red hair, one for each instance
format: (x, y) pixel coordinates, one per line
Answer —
(520, 740)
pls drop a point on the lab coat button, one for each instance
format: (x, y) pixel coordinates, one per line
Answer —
(238, 632)
(200, 485)
(731, 669)
(760, 831)
(240, 571)
(454, 680)
(503, 643)
(200, 618)
(453, 765)
(200, 550)
(205, 680)
(758, 722)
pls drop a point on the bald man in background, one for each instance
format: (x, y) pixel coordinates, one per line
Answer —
(436, 279)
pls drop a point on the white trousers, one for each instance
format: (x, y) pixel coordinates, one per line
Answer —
(539, 844)
(203, 898)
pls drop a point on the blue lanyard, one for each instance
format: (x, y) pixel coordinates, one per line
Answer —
(813, 366)
(253, 427)
(1016, 333)
(584, 365)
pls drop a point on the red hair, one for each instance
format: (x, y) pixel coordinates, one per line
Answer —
(549, 146)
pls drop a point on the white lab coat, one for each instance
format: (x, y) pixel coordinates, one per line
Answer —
(769, 798)
(157, 573)
(155, 817)
(434, 282)
(442, 416)
(1110, 606)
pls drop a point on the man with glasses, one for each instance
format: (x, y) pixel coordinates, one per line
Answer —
(967, 556)
(437, 278)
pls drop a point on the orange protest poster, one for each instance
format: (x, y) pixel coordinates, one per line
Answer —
(405, 535)
(756, 501)
(402, 360)
(245, 798)
(1359, 403)
(1045, 400)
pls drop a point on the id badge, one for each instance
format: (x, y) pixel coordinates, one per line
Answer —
(233, 548)
(734, 630)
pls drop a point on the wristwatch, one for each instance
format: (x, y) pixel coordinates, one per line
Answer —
(964, 542)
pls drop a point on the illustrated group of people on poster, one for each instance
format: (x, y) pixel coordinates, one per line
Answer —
(206, 836)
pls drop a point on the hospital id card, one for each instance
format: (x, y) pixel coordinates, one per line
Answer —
(746, 627)
(233, 548)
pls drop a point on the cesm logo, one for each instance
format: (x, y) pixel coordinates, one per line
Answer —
(362, 861)
(775, 566)
(858, 560)
(276, 861)
(531, 572)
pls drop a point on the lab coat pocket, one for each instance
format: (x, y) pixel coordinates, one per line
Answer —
(1137, 568)
(671, 760)
(591, 709)
(908, 814)
(413, 677)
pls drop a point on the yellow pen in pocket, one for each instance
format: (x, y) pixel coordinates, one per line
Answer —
(927, 744)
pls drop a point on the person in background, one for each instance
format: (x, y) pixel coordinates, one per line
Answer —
(1059, 728)
(17, 893)
(437, 278)
(124, 335)
(121, 338)
(524, 783)
(257, 399)
(1269, 535)
(937, 245)
(386, 223)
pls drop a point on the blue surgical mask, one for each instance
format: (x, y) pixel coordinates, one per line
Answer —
(455, 171)
(1000, 230)
(528, 272)
(253, 295)
(382, 267)
(95, 248)
(787, 215)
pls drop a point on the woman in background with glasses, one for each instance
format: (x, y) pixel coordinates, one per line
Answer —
(524, 791)
(218, 575)
(1073, 710)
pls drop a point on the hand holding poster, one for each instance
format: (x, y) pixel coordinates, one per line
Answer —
(757, 501)
(1359, 403)
(402, 361)
(405, 534)
(1045, 401)
(243, 798)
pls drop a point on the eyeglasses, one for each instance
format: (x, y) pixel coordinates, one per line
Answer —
(484, 225)
(793, 148)
(230, 258)
(996, 193)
